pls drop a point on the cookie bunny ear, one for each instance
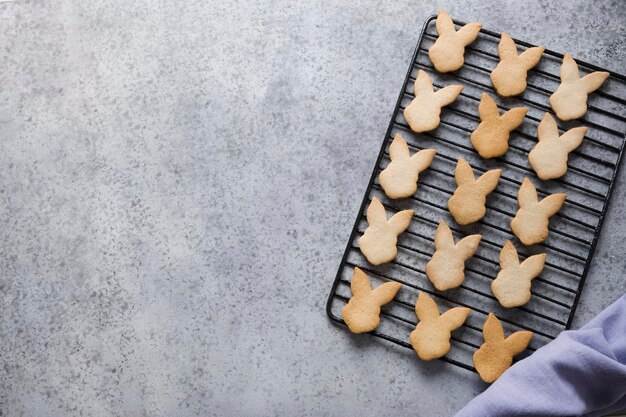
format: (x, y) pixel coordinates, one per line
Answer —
(455, 317)
(527, 195)
(425, 308)
(552, 203)
(573, 138)
(569, 69)
(444, 23)
(489, 180)
(547, 128)
(468, 245)
(508, 256)
(492, 330)
(360, 284)
(384, 293)
(533, 265)
(518, 342)
(376, 214)
(448, 94)
(487, 108)
(422, 82)
(514, 117)
(506, 47)
(463, 173)
(443, 236)
(399, 149)
(423, 159)
(468, 33)
(591, 82)
(531, 56)
(400, 221)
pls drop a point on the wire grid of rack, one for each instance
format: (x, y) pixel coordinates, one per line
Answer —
(574, 231)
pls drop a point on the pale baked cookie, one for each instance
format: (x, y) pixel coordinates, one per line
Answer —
(378, 242)
(509, 76)
(423, 113)
(491, 137)
(446, 269)
(549, 157)
(496, 355)
(447, 52)
(512, 284)
(569, 101)
(399, 178)
(467, 204)
(530, 223)
(431, 337)
(362, 313)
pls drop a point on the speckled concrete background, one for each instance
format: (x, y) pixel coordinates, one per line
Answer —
(178, 182)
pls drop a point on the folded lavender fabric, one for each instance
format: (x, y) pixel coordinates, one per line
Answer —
(580, 373)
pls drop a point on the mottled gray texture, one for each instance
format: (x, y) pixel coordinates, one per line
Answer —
(179, 180)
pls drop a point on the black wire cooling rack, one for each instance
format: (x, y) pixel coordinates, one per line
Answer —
(574, 231)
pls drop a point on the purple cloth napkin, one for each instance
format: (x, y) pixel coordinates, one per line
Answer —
(580, 373)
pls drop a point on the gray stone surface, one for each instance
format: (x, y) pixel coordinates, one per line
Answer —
(178, 181)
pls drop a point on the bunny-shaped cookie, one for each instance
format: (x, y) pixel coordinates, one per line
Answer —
(446, 269)
(491, 137)
(496, 355)
(509, 76)
(399, 179)
(447, 52)
(467, 204)
(378, 242)
(362, 313)
(549, 157)
(512, 284)
(569, 101)
(422, 114)
(530, 223)
(431, 337)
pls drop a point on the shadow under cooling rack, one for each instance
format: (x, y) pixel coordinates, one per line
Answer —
(574, 231)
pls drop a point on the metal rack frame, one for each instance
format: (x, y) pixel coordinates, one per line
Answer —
(572, 226)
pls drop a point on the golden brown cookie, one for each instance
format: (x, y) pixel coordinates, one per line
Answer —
(467, 204)
(431, 337)
(399, 178)
(362, 313)
(496, 355)
(512, 284)
(447, 53)
(569, 101)
(491, 137)
(446, 269)
(549, 157)
(509, 76)
(530, 223)
(378, 242)
(422, 114)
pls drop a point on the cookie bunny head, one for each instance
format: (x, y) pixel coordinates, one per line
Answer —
(512, 285)
(496, 355)
(423, 113)
(467, 204)
(549, 157)
(509, 76)
(446, 269)
(431, 337)
(362, 313)
(569, 101)
(530, 223)
(399, 178)
(378, 243)
(491, 137)
(447, 52)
